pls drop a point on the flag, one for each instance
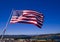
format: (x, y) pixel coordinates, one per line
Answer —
(27, 16)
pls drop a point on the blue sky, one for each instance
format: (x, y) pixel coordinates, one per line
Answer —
(50, 9)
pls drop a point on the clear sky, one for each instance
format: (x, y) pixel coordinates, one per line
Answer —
(50, 9)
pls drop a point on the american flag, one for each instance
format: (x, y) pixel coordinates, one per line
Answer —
(27, 16)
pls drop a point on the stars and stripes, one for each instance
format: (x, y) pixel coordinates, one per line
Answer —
(27, 16)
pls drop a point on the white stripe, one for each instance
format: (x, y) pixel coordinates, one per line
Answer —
(27, 21)
(26, 18)
(13, 21)
(14, 17)
(33, 22)
(42, 16)
(25, 11)
(28, 11)
(29, 14)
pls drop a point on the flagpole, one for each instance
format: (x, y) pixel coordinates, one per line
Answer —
(4, 30)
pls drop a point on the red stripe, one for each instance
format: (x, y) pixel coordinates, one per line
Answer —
(41, 20)
(32, 13)
(26, 22)
(38, 15)
(29, 11)
(29, 16)
(29, 19)
(13, 20)
(38, 25)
